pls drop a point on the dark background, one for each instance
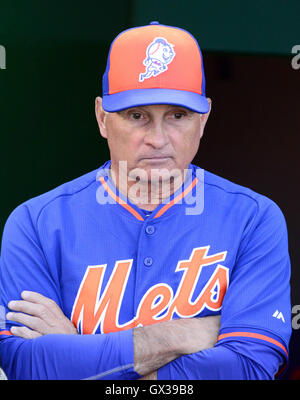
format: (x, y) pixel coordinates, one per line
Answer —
(56, 55)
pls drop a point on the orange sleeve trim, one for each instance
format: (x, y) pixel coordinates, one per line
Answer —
(120, 201)
(177, 198)
(255, 336)
(5, 333)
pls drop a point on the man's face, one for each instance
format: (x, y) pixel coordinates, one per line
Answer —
(151, 138)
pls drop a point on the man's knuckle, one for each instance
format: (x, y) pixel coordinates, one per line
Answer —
(22, 331)
(42, 310)
(15, 305)
(52, 304)
(27, 333)
(17, 317)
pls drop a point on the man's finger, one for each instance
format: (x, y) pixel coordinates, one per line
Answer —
(35, 297)
(24, 306)
(33, 323)
(41, 314)
(24, 332)
(34, 309)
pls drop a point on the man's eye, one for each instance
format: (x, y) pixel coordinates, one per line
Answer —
(178, 115)
(136, 115)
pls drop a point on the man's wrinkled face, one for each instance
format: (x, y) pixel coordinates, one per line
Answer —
(152, 138)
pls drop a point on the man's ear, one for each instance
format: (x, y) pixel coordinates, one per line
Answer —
(100, 116)
(204, 117)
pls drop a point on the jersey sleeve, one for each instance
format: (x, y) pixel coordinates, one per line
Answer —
(255, 317)
(226, 361)
(257, 303)
(23, 266)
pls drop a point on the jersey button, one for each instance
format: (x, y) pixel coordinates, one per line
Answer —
(150, 229)
(148, 261)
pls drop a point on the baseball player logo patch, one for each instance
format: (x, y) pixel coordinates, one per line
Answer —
(159, 54)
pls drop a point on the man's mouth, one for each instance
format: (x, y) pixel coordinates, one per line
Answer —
(156, 158)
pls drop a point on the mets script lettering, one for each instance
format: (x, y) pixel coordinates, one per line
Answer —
(159, 303)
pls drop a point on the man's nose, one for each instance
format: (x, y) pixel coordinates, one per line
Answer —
(156, 135)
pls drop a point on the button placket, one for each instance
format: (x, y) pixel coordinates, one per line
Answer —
(150, 229)
(148, 261)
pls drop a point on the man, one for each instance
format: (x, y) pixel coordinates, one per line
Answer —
(143, 256)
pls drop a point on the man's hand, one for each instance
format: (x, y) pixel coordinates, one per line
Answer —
(158, 344)
(154, 345)
(41, 316)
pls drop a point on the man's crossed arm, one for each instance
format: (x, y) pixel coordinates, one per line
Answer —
(154, 345)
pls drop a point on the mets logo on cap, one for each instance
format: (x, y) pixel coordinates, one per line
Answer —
(159, 54)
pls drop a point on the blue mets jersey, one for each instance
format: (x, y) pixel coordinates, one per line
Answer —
(211, 248)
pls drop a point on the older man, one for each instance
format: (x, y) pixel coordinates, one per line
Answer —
(124, 272)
